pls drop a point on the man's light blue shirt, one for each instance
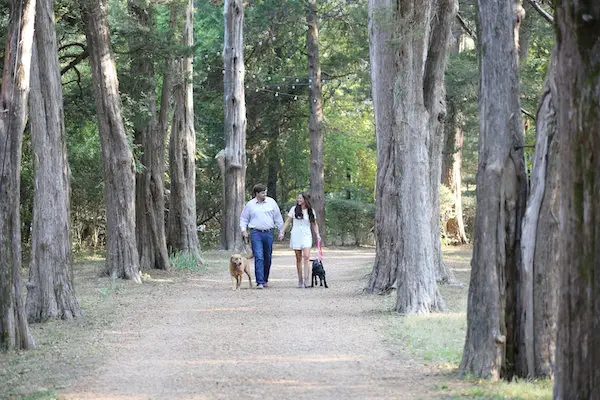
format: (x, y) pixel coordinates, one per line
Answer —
(264, 215)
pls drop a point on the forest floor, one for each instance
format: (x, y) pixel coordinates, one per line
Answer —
(187, 335)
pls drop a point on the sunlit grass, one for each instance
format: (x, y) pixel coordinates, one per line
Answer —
(438, 340)
(517, 390)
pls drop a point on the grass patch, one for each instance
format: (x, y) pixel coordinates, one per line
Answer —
(515, 390)
(185, 261)
(438, 339)
(42, 395)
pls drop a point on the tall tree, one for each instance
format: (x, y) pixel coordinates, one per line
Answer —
(452, 150)
(409, 46)
(14, 329)
(317, 159)
(234, 156)
(492, 324)
(150, 134)
(578, 71)
(182, 232)
(540, 242)
(50, 291)
(122, 260)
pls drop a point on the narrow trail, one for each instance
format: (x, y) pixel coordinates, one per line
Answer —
(201, 340)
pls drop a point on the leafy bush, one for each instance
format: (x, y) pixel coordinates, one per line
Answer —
(350, 222)
(184, 261)
(469, 203)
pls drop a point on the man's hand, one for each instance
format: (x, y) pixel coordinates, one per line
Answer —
(245, 234)
(280, 236)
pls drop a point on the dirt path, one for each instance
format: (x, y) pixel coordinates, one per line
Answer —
(201, 340)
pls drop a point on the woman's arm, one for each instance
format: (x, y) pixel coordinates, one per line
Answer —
(282, 231)
(316, 227)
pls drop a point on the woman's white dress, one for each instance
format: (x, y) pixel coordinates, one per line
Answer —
(301, 236)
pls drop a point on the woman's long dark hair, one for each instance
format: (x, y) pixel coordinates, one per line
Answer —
(298, 209)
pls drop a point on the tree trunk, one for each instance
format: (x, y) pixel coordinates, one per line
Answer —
(274, 164)
(14, 329)
(150, 136)
(317, 159)
(183, 234)
(122, 260)
(539, 275)
(50, 288)
(388, 229)
(435, 103)
(235, 125)
(451, 168)
(578, 341)
(407, 75)
(490, 346)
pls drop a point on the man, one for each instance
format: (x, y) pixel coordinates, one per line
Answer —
(260, 216)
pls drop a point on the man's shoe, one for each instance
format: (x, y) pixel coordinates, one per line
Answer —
(259, 286)
(266, 285)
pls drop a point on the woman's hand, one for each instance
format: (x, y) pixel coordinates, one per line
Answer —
(281, 234)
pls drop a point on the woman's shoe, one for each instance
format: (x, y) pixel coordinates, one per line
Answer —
(300, 283)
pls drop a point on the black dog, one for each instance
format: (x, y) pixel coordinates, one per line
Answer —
(318, 271)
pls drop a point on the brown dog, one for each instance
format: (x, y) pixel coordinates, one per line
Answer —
(238, 265)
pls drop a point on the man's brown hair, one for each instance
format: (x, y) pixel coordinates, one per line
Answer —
(259, 187)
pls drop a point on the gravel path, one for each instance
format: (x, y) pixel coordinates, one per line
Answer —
(198, 339)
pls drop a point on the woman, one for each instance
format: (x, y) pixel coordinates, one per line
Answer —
(301, 237)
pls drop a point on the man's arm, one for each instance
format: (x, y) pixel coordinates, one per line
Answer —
(244, 219)
(278, 218)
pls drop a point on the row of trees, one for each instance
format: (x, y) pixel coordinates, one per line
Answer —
(32, 74)
(508, 332)
(512, 325)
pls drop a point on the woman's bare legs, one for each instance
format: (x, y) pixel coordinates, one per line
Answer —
(307, 266)
(299, 266)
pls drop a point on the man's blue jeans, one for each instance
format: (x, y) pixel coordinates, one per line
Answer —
(262, 247)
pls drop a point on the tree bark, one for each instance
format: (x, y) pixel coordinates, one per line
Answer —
(122, 260)
(182, 232)
(14, 329)
(492, 325)
(452, 166)
(435, 102)
(317, 158)
(539, 274)
(150, 136)
(235, 125)
(50, 291)
(407, 76)
(577, 374)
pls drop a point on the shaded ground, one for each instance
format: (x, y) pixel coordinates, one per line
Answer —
(187, 335)
(201, 340)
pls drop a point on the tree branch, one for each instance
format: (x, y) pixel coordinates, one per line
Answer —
(464, 25)
(437, 52)
(73, 64)
(541, 11)
(530, 115)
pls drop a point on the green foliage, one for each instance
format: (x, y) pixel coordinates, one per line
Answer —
(515, 390)
(48, 394)
(27, 189)
(113, 288)
(185, 261)
(469, 203)
(349, 222)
